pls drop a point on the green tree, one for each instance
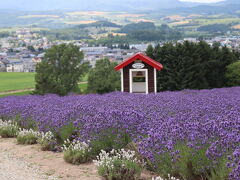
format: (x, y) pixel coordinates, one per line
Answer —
(233, 74)
(192, 65)
(103, 78)
(138, 26)
(60, 70)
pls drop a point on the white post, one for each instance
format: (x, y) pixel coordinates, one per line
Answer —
(130, 81)
(122, 81)
(146, 71)
(155, 80)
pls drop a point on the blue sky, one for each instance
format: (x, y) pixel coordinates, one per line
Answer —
(203, 1)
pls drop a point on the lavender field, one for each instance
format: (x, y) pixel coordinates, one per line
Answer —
(174, 131)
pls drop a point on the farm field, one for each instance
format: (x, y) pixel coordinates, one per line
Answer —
(16, 81)
(170, 129)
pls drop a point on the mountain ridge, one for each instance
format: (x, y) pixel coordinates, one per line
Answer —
(100, 5)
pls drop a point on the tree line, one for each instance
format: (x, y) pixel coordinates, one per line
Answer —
(192, 65)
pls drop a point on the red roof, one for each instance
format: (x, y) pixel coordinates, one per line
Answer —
(144, 58)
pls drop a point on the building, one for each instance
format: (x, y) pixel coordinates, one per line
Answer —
(93, 50)
(15, 67)
(139, 74)
(2, 67)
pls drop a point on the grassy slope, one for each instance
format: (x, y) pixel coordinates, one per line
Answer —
(16, 81)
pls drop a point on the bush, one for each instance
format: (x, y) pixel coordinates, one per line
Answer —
(8, 129)
(47, 141)
(110, 139)
(103, 78)
(188, 163)
(233, 74)
(27, 137)
(118, 165)
(66, 132)
(76, 152)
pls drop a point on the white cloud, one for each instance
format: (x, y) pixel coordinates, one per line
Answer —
(202, 1)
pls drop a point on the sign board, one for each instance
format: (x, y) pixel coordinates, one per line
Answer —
(138, 65)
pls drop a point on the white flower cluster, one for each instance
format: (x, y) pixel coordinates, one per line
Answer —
(48, 136)
(76, 146)
(107, 159)
(7, 124)
(169, 178)
(25, 132)
(10, 125)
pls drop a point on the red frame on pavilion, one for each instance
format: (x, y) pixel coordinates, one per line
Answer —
(142, 57)
(128, 70)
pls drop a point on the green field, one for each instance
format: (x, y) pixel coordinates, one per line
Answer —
(16, 81)
(21, 81)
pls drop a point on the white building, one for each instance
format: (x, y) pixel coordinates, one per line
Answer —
(93, 50)
(15, 67)
(2, 67)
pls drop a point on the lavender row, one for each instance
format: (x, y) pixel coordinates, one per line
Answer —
(158, 123)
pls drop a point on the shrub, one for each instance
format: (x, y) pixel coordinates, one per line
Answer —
(118, 165)
(189, 163)
(109, 139)
(76, 152)
(66, 132)
(27, 136)
(8, 129)
(103, 78)
(233, 74)
(47, 141)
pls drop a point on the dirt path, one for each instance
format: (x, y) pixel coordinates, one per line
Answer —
(19, 162)
(12, 168)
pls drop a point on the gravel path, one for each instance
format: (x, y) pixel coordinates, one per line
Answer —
(12, 168)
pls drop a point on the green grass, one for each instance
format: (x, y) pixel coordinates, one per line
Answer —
(16, 81)
(17, 94)
(21, 81)
(83, 87)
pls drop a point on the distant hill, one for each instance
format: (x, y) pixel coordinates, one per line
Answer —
(64, 14)
(227, 7)
(230, 2)
(99, 24)
(99, 5)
